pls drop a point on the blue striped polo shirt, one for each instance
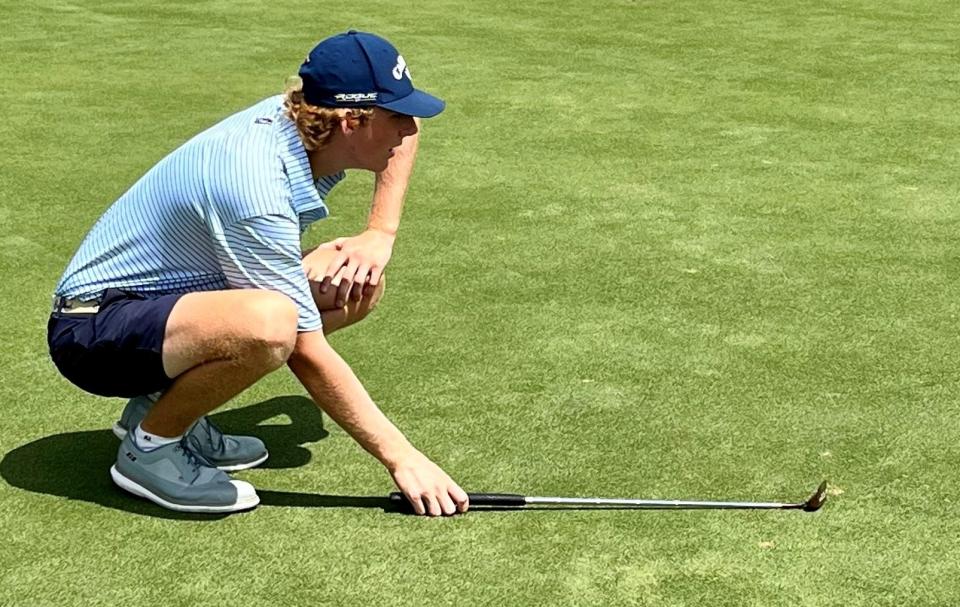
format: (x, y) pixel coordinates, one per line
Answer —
(224, 210)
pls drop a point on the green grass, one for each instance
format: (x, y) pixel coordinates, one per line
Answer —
(691, 249)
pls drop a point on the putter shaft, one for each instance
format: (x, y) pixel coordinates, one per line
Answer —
(512, 500)
(597, 502)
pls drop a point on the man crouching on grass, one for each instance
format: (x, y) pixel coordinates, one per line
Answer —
(192, 286)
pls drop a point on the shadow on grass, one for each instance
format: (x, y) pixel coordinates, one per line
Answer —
(76, 465)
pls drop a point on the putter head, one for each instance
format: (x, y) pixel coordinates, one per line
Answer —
(817, 499)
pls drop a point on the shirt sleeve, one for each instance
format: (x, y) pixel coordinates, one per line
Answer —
(263, 252)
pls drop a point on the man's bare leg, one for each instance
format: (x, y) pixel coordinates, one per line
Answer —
(216, 344)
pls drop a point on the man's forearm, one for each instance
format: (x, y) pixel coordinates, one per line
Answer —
(391, 187)
(336, 390)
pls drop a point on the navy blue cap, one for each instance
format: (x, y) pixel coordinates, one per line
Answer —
(357, 69)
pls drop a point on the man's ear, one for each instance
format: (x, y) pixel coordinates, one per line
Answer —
(345, 127)
(349, 122)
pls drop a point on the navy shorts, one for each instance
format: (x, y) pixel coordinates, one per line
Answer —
(118, 350)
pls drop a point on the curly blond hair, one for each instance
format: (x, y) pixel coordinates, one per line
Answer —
(316, 123)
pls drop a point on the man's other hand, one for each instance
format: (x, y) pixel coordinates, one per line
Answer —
(355, 262)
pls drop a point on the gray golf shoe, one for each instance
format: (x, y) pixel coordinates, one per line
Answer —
(224, 451)
(175, 478)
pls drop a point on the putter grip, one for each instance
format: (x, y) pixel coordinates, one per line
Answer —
(489, 500)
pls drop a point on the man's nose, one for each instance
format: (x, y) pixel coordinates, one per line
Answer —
(410, 128)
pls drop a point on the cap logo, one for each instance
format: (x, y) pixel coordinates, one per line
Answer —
(355, 97)
(400, 68)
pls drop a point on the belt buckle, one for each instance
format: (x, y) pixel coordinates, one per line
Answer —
(65, 305)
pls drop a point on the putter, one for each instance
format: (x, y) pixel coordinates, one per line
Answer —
(510, 501)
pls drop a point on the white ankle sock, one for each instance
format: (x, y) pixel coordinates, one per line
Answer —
(149, 442)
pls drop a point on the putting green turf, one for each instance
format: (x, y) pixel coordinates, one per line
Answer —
(681, 250)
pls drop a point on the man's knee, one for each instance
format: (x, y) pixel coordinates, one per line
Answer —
(338, 317)
(271, 321)
(375, 296)
(371, 296)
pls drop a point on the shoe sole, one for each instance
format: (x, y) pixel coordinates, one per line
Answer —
(128, 485)
(121, 432)
(244, 465)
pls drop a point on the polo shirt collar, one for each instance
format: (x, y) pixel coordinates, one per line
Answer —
(307, 193)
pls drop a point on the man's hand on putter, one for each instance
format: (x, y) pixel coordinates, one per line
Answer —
(358, 263)
(428, 488)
